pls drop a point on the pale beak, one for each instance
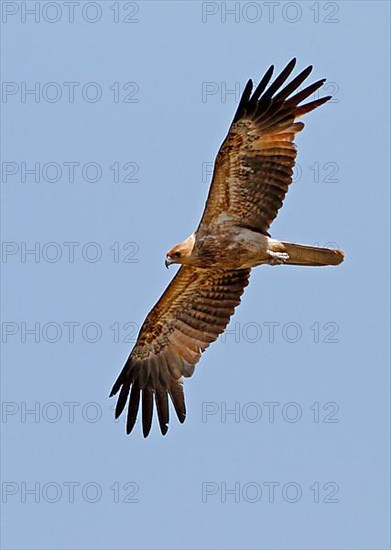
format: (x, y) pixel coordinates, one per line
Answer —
(168, 262)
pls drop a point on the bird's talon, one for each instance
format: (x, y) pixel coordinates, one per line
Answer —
(278, 258)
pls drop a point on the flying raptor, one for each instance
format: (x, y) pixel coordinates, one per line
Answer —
(252, 172)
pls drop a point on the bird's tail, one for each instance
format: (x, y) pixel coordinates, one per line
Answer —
(302, 254)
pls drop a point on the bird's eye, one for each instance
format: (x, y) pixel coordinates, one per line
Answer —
(177, 254)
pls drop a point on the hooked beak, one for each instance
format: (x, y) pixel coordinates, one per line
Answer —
(168, 262)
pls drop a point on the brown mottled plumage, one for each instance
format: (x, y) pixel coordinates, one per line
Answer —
(252, 172)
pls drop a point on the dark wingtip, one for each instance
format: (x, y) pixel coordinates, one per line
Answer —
(279, 81)
(269, 73)
(129, 428)
(291, 65)
(133, 407)
(243, 100)
(147, 410)
(262, 85)
(247, 91)
(308, 107)
(146, 432)
(320, 101)
(323, 100)
(116, 387)
(118, 410)
(122, 399)
(306, 72)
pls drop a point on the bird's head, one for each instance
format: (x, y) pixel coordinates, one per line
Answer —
(181, 253)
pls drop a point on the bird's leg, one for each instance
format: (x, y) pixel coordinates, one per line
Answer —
(277, 258)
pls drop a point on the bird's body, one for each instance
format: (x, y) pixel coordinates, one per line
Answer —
(228, 247)
(252, 172)
(232, 247)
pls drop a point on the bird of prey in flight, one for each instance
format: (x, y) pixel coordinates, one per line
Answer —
(252, 173)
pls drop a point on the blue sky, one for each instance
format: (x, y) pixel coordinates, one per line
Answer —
(131, 103)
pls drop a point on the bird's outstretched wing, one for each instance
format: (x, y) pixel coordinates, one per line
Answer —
(194, 309)
(254, 165)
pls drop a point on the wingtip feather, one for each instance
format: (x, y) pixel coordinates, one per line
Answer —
(147, 409)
